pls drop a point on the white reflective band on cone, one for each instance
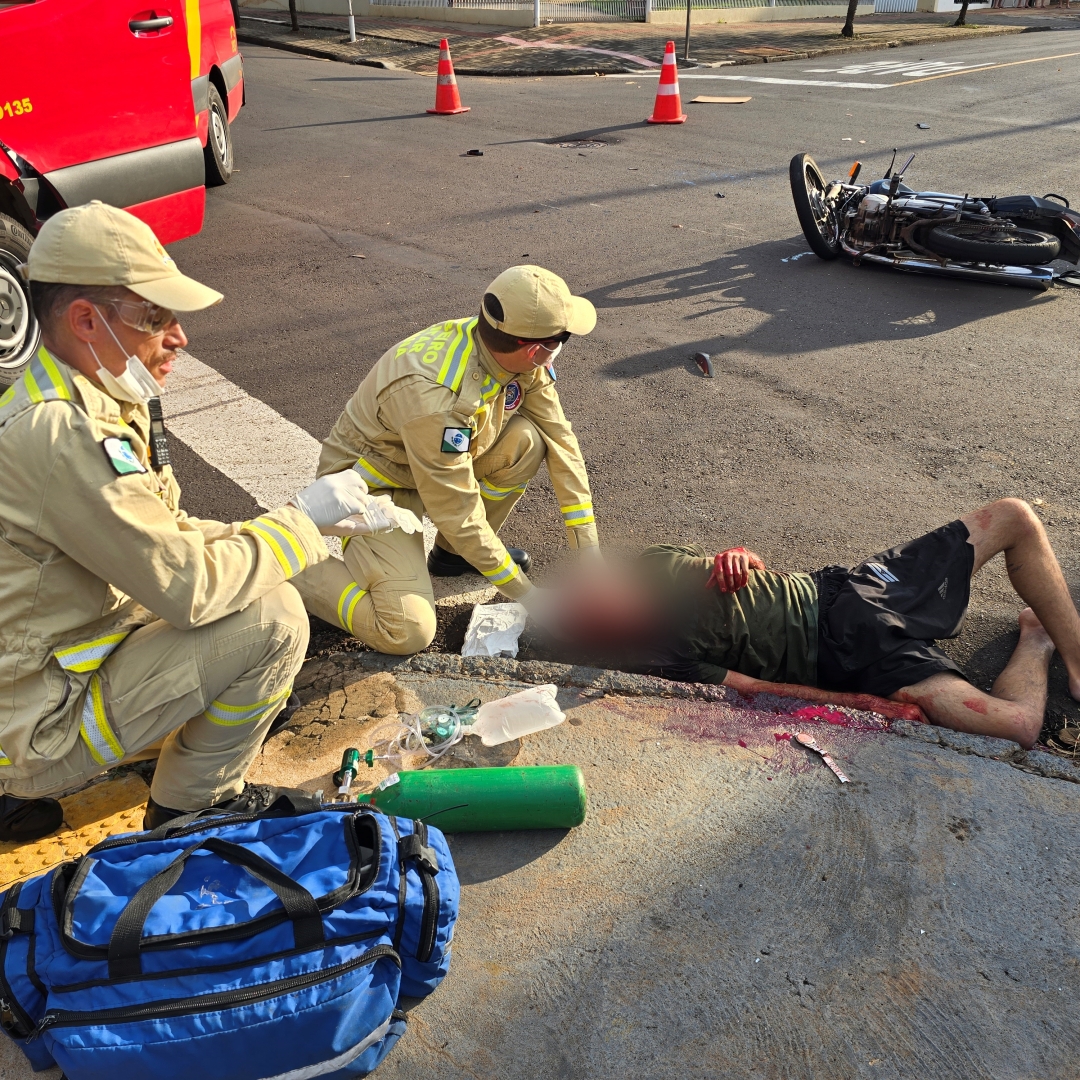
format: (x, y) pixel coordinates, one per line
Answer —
(667, 91)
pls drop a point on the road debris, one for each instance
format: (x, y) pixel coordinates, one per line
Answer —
(704, 361)
(494, 630)
(720, 195)
(706, 99)
(474, 153)
(356, 255)
(811, 743)
(924, 127)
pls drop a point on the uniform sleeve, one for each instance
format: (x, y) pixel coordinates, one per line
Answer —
(180, 569)
(565, 465)
(451, 497)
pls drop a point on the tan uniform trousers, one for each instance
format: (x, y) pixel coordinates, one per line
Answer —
(381, 592)
(206, 696)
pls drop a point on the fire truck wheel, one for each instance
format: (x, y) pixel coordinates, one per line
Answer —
(219, 148)
(20, 334)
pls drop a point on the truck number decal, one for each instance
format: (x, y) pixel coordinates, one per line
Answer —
(16, 108)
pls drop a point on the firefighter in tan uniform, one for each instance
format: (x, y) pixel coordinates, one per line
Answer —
(455, 421)
(124, 622)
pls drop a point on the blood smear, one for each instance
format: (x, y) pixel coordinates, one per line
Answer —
(743, 745)
(780, 736)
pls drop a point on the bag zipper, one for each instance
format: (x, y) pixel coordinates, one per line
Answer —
(226, 999)
(14, 1019)
(429, 922)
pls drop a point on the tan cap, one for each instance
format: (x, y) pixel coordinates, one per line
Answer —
(95, 244)
(538, 304)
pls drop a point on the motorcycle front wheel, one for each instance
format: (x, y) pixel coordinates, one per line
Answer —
(970, 242)
(816, 217)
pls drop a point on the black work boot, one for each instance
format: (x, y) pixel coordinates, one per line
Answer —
(254, 799)
(443, 563)
(23, 820)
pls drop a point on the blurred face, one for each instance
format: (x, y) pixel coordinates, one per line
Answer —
(604, 608)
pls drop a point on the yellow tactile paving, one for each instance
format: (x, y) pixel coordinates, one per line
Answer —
(115, 806)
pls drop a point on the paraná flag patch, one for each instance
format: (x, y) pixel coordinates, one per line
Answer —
(122, 458)
(456, 440)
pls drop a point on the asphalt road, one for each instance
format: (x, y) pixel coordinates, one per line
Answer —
(853, 407)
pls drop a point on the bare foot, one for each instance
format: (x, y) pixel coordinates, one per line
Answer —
(1032, 629)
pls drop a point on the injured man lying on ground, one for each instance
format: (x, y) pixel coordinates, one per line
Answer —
(867, 629)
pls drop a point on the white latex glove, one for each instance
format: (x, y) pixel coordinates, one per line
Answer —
(331, 499)
(379, 515)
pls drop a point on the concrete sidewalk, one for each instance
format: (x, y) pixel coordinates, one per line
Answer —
(616, 48)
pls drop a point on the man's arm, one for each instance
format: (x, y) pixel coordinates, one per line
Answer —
(731, 569)
(451, 496)
(566, 467)
(117, 528)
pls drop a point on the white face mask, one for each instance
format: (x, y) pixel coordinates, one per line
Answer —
(551, 355)
(135, 384)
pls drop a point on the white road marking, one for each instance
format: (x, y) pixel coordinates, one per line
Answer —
(892, 67)
(786, 82)
(242, 437)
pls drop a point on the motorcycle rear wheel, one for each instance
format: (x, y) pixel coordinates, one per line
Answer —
(817, 219)
(975, 243)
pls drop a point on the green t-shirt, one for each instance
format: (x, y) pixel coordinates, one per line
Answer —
(767, 630)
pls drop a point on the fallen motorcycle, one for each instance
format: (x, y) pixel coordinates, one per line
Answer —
(1008, 239)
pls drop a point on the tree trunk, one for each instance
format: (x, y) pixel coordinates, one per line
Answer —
(961, 19)
(849, 25)
(295, 21)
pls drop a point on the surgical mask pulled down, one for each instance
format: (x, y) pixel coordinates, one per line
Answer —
(134, 384)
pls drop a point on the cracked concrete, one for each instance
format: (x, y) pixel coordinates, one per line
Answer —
(728, 908)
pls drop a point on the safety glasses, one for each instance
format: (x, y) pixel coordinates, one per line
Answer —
(144, 316)
(561, 339)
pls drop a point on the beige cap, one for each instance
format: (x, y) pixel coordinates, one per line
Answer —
(95, 244)
(537, 304)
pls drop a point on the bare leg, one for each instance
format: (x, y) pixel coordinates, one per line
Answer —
(1015, 706)
(1010, 526)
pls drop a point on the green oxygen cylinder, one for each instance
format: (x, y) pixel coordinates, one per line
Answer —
(485, 800)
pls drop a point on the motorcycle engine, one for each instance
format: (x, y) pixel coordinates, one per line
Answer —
(867, 221)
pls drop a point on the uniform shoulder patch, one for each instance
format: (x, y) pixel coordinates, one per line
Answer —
(121, 457)
(513, 396)
(456, 440)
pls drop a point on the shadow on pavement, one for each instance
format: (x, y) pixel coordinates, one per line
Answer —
(785, 285)
(483, 856)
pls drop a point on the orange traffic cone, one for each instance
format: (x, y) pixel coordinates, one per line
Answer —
(447, 98)
(668, 107)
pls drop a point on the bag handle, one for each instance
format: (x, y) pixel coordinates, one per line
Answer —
(125, 942)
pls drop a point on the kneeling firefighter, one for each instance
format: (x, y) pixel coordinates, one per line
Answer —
(126, 625)
(455, 421)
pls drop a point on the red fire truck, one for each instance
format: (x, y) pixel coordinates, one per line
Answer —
(104, 99)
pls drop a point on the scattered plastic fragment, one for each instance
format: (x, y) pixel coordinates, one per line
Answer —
(811, 743)
(705, 99)
(720, 195)
(474, 153)
(845, 140)
(494, 630)
(676, 226)
(925, 127)
(356, 256)
(704, 361)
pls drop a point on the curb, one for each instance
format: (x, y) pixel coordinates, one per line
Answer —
(329, 50)
(603, 681)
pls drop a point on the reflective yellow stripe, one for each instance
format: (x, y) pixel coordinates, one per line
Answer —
(194, 35)
(8, 396)
(453, 369)
(507, 571)
(495, 494)
(347, 605)
(98, 736)
(4, 759)
(282, 543)
(489, 389)
(224, 715)
(90, 655)
(43, 379)
(578, 514)
(372, 475)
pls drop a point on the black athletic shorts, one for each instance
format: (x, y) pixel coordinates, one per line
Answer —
(877, 622)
